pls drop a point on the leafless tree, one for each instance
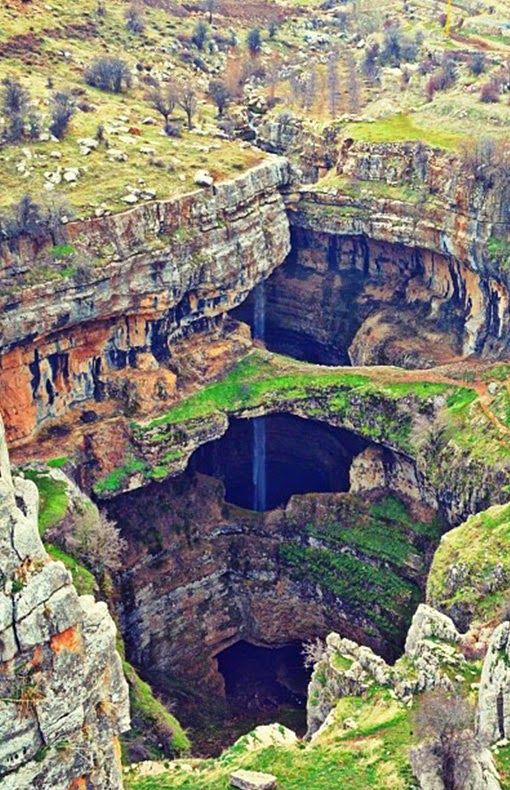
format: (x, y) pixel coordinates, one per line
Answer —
(187, 101)
(97, 542)
(313, 652)
(211, 6)
(353, 90)
(444, 722)
(163, 100)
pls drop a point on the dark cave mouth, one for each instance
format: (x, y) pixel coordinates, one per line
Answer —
(264, 678)
(280, 454)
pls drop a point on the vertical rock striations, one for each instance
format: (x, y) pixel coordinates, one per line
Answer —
(63, 697)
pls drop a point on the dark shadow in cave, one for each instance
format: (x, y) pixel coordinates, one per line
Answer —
(301, 456)
(258, 678)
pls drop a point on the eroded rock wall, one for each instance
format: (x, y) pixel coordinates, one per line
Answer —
(64, 699)
(144, 279)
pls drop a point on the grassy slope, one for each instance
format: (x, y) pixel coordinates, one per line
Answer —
(479, 547)
(373, 755)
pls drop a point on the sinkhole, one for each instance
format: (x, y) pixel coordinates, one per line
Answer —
(263, 678)
(265, 460)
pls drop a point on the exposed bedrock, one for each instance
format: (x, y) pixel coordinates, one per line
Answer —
(64, 696)
(344, 299)
(203, 574)
(144, 280)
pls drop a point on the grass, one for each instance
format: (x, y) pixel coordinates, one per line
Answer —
(259, 378)
(52, 498)
(480, 547)
(384, 531)
(374, 755)
(402, 127)
(383, 596)
(83, 579)
(148, 712)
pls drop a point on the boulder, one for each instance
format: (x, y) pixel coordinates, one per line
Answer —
(493, 715)
(252, 780)
(204, 179)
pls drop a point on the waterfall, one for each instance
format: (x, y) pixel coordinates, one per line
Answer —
(259, 424)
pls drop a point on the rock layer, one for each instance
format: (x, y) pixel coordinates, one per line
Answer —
(144, 279)
(64, 696)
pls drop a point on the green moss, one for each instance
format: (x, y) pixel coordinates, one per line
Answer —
(149, 712)
(62, 251)
(53, 498)
(478, 546)
(384, 596)
(83, 579)
(58, 463)
(119, 476)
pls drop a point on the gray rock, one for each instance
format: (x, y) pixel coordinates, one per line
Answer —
(252, 780)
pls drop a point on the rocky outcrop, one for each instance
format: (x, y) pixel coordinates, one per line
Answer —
(494, 694)
(64, 700)
(349, 669)
(404, 252)
(138, 282)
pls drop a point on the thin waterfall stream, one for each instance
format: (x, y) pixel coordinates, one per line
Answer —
(259, 424)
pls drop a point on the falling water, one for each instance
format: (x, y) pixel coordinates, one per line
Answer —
(259, 424)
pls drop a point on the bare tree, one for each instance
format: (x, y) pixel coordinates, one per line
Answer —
(211, 6)
(220, 94)
(187, 101)
(14, 104)
(97, 542)
(353, 89)
(445, 723)
(163, 100)
(313, 652)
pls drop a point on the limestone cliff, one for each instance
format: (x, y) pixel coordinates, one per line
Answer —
(405, 249)
(138, 282)
(63, 698)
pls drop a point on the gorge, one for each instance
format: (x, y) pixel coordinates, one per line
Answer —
(283, 401)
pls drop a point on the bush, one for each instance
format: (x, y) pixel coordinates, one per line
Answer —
(28, 218)
(62, 111)
(254, 41)
(199, 36)
(489, 92)
(134, 21)
(220, 94)
(478, 63)
(109, 74)
(14, 106)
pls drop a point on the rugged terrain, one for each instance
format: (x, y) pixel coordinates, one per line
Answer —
(255, 379)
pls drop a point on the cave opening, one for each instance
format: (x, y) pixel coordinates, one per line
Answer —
(294, 456)
(259, 679)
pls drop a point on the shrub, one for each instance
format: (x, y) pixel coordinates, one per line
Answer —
(489, 92)
(63, 110)
(254, 41)
(478, 63)
(220, 94)
(26, 218)
(109, 74)
(199, 36)
(134, 21)
(14, 105)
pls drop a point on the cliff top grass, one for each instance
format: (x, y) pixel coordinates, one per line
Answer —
(49, 45)
(262, 375)
(470, 573)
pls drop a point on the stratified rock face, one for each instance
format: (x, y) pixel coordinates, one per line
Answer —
(342, 299)
(148, 277)
(64, 696)
(391, 261)
(494, 694)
